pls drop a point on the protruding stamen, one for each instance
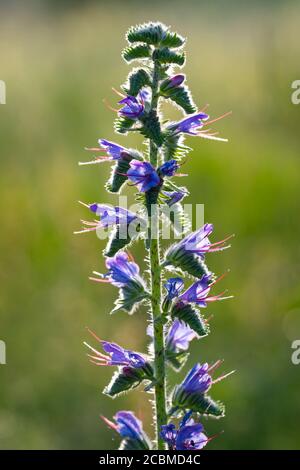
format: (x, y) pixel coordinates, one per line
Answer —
(218, 118)
(118, 92)
(109, 423)
(84, 204)
(223, 377)
(93, 334)
(109, 106)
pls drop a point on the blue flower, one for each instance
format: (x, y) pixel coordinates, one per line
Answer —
(189, 125)
(134, 107)
(169, 168)
(193, 125)
(116, 355)
(173, 286)
(113, 152)
(143, 175)
(109, 216)
(121, 271)
(196, 245)
(198, 292)
(174, 196)
(189, 436)
(197, 242)
(172, 82)
(179, 337)
(130, 429)
(197, 380)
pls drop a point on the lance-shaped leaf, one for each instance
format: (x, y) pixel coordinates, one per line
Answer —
(133, 444)
(171, 39)
(182, 97)
(127, 378)
(141, 51)
(173, 147)
(130, 296)
(123, 124)
(123, 235)
(151, 127)
(155, 34)
(137, 79)
(177, 360)
(149, 33)
(186, 262)
(198, 403)
(191, 316)
(167, 56)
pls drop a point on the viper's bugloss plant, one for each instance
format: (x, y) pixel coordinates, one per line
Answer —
(175, 303)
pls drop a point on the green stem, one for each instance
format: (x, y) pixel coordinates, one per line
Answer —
(155, 270)
(158, 327)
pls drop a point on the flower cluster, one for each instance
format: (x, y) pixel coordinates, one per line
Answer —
(176, 317)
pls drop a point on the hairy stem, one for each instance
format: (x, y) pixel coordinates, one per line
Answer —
(159, 346)
(155, 270)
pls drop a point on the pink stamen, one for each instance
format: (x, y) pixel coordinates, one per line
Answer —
(93, 334)
(219, 278)
(215, 366)
(109, 423)
(204, 108)
(130, 256)
(222, 241)
(109, 106)
(218, 118)
(94, 149)
(118, 92)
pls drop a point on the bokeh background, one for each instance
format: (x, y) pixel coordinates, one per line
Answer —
(59, 59)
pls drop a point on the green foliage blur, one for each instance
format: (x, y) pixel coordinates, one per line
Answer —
(58, 64)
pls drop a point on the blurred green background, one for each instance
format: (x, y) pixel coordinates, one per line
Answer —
(59, 60)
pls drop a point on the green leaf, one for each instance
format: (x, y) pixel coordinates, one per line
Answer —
(182, 97)
(205, 405)
(136, 80)
(176, 361)
(151, 127)
(130, 296)
(192, 317)
(154, 34)
(172, 40)
(118, 176)
(149, 33)
(166, 56)
(197, 402)
(122, 382)
(173, 147)
(186, 262)
(121, 237)
(136, 52)
(123, 124)
(135, 444)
